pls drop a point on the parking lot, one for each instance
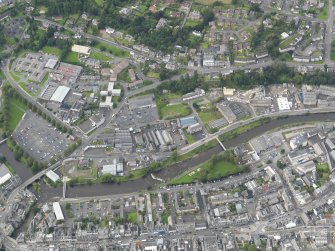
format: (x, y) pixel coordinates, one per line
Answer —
(137, 117)
(39, 139)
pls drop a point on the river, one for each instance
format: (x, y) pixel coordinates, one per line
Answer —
(168, 173)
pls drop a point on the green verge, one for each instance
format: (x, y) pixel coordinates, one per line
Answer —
(219, 166)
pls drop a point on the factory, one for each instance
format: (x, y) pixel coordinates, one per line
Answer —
(58, 211)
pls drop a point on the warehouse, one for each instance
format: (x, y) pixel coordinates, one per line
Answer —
(142, 102)
(187, 121)
(4, 174)
(58, 211)
(53, 176)
(60, 94)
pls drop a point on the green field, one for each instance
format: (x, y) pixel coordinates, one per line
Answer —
(16, 111)
(52, 50)
(72, 58)
(210, 170)
(112, 50)
(174, 111)
(99, 56)
(14, 76)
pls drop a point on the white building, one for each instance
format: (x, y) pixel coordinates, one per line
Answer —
(58, 211)
(5, 175)
(52, 176)
(283, 104)
(81, 49)
(60, 94)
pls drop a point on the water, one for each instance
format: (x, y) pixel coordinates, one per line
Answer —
(168, 173)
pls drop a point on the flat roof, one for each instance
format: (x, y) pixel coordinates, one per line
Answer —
(60, 94)
(51, 64)
(81, 49)
(53, 176)
(283, 103)
(58, 211)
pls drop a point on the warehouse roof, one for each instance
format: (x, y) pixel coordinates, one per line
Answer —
(53, 176)
(4, 174)
(51, 64)
(60, 94)
(58, 211)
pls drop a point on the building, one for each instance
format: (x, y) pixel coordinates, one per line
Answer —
(305, 167)
(108, 103)
(194, 128)
(53, 176)
(146, 101)
(283, 104)
(187, 121)
(58, 211)
(193, 95)
(116, 168)
(5, 175)
(227, 112)
(228, 91)
(81, 49)
(309, 98)
(60, 94)
(298, 141)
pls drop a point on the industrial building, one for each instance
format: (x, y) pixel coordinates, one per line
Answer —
(142, 102)
(283, 104)
(60, 94)
(116, 168)
(58, 211)
(53, 176)
(187, 121)
(5, 175)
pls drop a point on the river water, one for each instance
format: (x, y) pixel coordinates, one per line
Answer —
(168, 173)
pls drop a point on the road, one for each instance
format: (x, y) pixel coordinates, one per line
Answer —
(329, 32)
(29, 98)
(235, 125)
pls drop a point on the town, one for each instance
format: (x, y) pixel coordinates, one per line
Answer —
(167, 125)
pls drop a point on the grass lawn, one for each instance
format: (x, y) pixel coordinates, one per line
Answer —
(112, 50)
(132, 217)
(165, 217)
(215, 171)
(72, 58)
(52, 50)
(324, 12)
(152, 74)
(189, 137)
(100, 2)
(174, 111)
(332, 53)
(242, 129)
(16, 111)
(14, 76)
(99, 56)
(324, 172)
(172, 95)
(209, 115)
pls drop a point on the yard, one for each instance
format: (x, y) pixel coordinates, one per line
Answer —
(174, 111)
(16, 111)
